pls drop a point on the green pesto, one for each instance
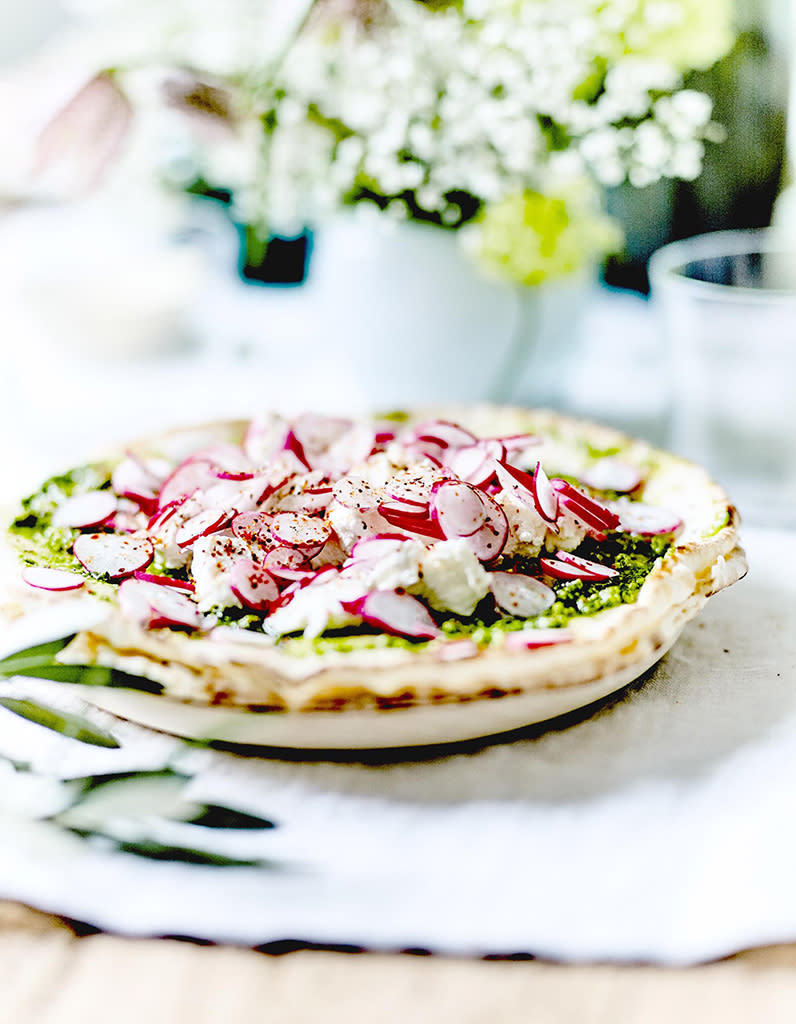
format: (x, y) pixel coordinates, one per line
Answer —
(37, 541)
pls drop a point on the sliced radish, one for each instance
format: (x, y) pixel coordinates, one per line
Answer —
(127, 522)
(297, 529)
(521, 595)
(43, 578)
(253, 586)
(611, 474)
(187, 478)
(591, 513)
(252, 527)
(296, 448)
(529, 638)
(108, 554)
(400, 614)
(355, 493)
(404, 508)
(487, 543)
(378, 546)
(420, 450)
(533, 491)
(84, 510)
(443, 434)
(161, 517)
(288, 564)
(201, 525)
(458, 650)
(647, 520)
(316, 433)
(545, 498)
(519, 442)
(132, 480)
(264, 438)
(311, 499)
(571, 567)
(475, 463)
(164, 581)
(422, 525)
(155, 606)
(459, 508)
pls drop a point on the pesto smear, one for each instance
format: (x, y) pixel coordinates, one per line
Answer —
(334, 535)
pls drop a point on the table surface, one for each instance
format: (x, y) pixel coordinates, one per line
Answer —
(49, 975)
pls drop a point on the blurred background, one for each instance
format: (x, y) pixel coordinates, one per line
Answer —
(361, 204)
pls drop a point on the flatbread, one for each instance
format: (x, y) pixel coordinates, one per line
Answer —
(615, 645)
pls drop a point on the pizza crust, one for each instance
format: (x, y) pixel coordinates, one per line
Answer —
(251, 673)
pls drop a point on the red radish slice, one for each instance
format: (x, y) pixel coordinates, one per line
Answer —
(355, 493)
(591, 512)
(200, 525)
(529, 638)
(85, 510)
(519, 442)
(251, 526)
(186, 479)
(43, 578)
(383, 437)
(420, 450)
(520, 595)
(297, 529)
(400, 614)
(404, 508)
(475, 463)
(310, 501)
(126, 522)
(108, 554)
(164, 581)
(295, 447)
(424, 526)
(377, 546)
(487, 543)
(545, 498)
(160, 518)
(263, 439)
(288, 564)
(458, 508)
(647, 520)
(131, 480)
(569, 567)
(443, 433)
(252, 585)
(155, 606)
(586, 563)
(316, 433)
(532, 491)
(457, 650)
(611, 474)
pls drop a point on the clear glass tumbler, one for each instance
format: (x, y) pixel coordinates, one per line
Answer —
(727, 306)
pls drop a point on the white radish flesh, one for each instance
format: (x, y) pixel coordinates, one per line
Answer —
(108, 554)
(252, 585)
(297, 529)
(459, 509)
(400, 614)
(201, 525)
(43, 578)
(611, 474)
(647, 520)
(85, 510)
(155, 606)
(520, 595)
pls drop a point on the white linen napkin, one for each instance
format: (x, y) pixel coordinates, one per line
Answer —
(661, 828)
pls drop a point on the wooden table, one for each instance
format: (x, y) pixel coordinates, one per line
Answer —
(49, 975)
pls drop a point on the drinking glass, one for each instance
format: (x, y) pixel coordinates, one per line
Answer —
(727, 305)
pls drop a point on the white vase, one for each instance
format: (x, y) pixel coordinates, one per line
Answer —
(393, 315)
